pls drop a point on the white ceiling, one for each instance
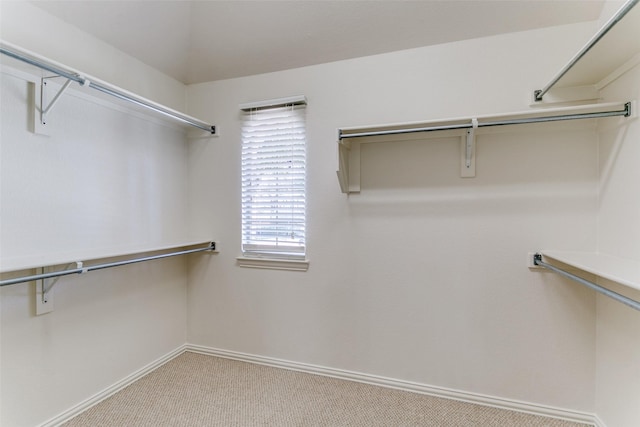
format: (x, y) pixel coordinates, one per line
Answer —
(197, 41)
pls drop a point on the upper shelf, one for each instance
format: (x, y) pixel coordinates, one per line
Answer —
(349, 139)
(620, 270)
(8, 264)
(23, 56)
(611, 51)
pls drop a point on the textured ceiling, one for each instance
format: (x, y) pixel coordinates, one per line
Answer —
(197, 41)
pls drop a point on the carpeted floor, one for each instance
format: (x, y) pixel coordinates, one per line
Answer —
(200, 390)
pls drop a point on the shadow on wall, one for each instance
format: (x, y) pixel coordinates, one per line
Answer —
(515, 172)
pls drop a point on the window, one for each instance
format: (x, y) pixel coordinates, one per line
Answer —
(273, 181)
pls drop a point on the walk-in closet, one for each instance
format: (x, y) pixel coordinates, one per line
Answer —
(316, 213)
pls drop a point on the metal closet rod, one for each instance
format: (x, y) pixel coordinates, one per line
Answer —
(80, 270)
(109, 91)
(538, 94)
(626, 112)
(537, 260)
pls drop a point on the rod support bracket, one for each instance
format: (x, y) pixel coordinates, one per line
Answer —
(46, 109)
(537, 95)
(80, 266)
(44, 296)
(537, 257)
(468, 151)
(533, 261)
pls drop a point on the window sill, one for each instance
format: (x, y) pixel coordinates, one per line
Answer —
(273, 263)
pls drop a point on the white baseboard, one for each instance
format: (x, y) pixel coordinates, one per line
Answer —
(480, 399)
(99, 397)
(476, 398)
(597, 422)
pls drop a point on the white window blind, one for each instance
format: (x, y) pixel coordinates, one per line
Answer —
(273, 182)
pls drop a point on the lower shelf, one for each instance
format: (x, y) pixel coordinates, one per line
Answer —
(8, 264)
(620, 270)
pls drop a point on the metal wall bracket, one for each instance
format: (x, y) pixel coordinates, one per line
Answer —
(44, 296)
(536, 258)
(468, 151)
(44, 288)
(46, 109)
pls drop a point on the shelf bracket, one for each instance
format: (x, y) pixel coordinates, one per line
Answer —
(348, 165)
(44, 110)
(44, 288)
(44, 298)
(468, 160)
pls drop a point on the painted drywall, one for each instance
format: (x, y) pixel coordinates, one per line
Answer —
(609, 9)
(105, 178)
(618, 327)
(31, 28)
(94, 185)
(422, 276)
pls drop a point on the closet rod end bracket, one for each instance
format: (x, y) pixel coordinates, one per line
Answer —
(537, 95)
(533, 259)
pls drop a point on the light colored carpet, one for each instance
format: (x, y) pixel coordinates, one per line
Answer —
(199, 390)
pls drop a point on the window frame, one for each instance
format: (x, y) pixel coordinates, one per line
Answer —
(259, 253)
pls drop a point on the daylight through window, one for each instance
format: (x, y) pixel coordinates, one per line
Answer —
(273, 182)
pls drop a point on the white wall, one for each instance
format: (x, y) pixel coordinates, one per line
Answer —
(423, 275)
(609, 9)
(618, 327)
(106, 178)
